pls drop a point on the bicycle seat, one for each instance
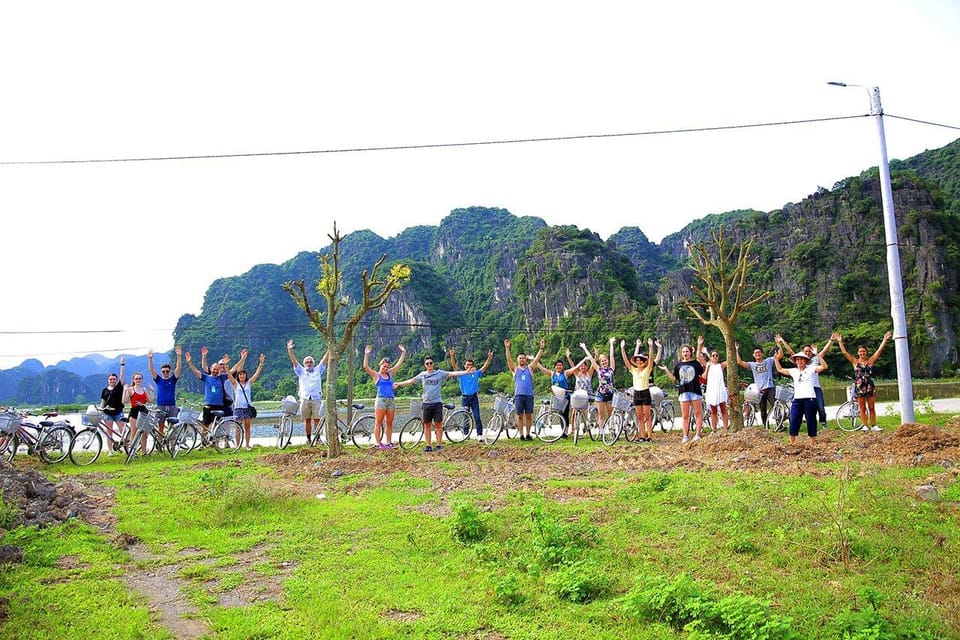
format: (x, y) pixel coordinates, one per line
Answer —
(358, 406)
(448, 406)
(217, 412)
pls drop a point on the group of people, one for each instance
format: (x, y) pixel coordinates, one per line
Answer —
(698, 374)
(701, 381)
(226, 389)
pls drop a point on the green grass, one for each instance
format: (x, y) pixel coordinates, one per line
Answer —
(842, 552)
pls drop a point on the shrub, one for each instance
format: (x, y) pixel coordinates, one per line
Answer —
(579, 581)
(556, 543)
(509, 590)
(467, 524)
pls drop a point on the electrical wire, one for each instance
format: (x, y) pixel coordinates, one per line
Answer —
(441, 145)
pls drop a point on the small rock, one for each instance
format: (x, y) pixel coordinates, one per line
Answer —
(927, 492)
(10, 554)
(321, 496)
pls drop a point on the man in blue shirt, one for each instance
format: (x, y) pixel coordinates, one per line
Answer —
(213, 390)
(166, 384)
(523, 388)
(470, 385)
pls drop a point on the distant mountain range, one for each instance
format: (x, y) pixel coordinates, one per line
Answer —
(483, 275)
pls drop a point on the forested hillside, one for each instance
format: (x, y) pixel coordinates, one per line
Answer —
(483, 275)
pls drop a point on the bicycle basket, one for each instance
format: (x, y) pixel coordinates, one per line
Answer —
(622, 401)
(752, 395)
(785, 394)
(558, 404)
(579, 399)
(656, 396)
(91, 418)
(188, 415)
(289, 406)
(149, 420)
(9, 422)
(501, 404)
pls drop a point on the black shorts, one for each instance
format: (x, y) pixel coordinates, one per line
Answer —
(136, 411)
(605, 397)
(432, 412)
(642, 398)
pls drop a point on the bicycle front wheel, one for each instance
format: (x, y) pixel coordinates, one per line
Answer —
(183, 439)
(550, 426)
(134, 447)
(55, 445)
(494, 427)
(86, 447)
(458, 426)
(848, 416)
(631, 430)
(780, 416)
(284, 431)
(411, 434)
(361, 433)
(610, 431)
(229, 436)
(748, 414)
(667, 416)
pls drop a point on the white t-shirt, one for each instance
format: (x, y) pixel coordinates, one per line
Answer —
(803, 382)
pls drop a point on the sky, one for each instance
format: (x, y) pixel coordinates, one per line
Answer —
(106, 256)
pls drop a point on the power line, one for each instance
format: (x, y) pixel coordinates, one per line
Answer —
(932, 124)
(441, 145)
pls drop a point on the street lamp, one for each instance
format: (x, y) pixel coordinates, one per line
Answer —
(900, 342)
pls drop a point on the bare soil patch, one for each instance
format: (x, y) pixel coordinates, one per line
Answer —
(512, 465)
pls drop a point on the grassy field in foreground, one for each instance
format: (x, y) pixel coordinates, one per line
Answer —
(841, 552)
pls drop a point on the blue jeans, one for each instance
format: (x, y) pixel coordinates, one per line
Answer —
(821, 407)
(472, 402)
(800, 409)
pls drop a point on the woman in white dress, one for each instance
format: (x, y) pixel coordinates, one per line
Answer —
(716, 394)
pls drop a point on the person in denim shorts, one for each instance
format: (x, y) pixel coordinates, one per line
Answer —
(385, 407)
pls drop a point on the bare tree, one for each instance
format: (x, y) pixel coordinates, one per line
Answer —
(719, 294)
(376, 290)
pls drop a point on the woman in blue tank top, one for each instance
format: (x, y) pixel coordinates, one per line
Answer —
(385, 406)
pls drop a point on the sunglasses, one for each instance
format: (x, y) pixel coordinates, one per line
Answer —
(428, 362)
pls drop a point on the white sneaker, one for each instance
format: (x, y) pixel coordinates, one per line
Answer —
(695, 438)
(876, 428)
(864, 428)
(685, 440)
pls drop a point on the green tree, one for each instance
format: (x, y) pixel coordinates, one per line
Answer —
(375, 291)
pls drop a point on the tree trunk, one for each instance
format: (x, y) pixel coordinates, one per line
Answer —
(330, 395)
(735, 405)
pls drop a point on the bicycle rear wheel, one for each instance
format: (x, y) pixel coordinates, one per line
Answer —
(550, 426)
(54, 444)
(494, 427)
(411, 434)
(848, 416)
(228, 436)
(667, 416)
(610, 431)
(458, 426)
(593, 423)
(86, 447)
(361, 433)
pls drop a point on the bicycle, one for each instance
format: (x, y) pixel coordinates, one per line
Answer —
(621, 421)
(148, 434)
(457, 425)
(549, 425)
(503, 420)
(189, 432)
(751, 404)
(288, 408)
(780, 413)
(49, 439)
(88, 442)
(586, 418)
(662, 413)
(360, 431)
(848, 415)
